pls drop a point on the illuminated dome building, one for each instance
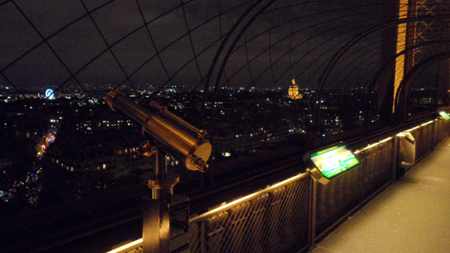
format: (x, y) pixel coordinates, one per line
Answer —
(293, 91)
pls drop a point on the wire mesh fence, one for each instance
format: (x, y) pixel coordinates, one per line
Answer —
(337, 198)
(281, 217)
(377, 167)
(272, 220)
(441, 131)
(244, 226)
(424, 138)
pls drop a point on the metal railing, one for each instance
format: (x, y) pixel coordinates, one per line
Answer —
(270, 220)
(291, 216)
(342, 196)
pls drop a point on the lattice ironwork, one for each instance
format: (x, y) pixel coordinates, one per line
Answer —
(377, 167)
(424, 140)
(272, 221)
(337, 198)
(442, 131)
(426, 31)
(278, 218)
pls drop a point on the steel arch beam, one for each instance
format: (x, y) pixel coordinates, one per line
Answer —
(335, 59)
(391, 62)
(401, 100)
(351, 43)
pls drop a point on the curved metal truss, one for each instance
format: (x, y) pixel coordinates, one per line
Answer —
(207, 45)
(192, 43)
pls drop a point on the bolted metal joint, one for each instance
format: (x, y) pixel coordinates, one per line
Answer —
(146, 149)
(201, 134)
(159, 188)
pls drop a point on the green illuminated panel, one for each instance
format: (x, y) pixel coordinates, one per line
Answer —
(444, 115)
(334, 160)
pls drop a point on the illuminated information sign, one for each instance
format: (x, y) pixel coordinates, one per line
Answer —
(444, 115)
(334, 160)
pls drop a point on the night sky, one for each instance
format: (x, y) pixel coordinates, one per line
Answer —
(139, 43)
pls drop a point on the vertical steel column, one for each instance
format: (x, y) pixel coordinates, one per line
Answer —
(151, 225)
(203, 237)
(156, 217)
(389, 50)
(411, 28)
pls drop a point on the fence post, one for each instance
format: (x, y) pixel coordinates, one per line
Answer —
(312, 215)
(394, 160)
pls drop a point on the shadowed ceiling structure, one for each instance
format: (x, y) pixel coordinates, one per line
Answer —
(206, 44)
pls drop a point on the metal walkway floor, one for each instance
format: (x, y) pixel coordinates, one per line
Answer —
(412, 215)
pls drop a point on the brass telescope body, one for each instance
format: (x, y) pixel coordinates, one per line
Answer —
(194, 151)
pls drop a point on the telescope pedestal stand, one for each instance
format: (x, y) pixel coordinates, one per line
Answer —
(156, 217)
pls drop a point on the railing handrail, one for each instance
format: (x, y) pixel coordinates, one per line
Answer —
(383, 138)
(251, 196)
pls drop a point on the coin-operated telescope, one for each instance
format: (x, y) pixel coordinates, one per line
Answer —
(184, 142)
(177, 137)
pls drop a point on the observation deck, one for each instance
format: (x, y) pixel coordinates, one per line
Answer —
(373, 208)
(409, 216)
(371, 74)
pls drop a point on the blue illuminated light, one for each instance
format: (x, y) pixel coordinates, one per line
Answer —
(50, 94)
